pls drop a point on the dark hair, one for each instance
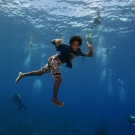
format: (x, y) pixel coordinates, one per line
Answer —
(75, 38)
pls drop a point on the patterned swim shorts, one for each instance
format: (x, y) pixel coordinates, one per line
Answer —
(53, 67)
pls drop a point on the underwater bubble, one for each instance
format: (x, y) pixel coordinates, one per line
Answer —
(110, 70)
(122, 94)
(37, 85)
(27, 61)
(43, 55)
(103, 75)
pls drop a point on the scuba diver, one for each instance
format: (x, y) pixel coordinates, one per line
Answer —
(131, 120)
(96, 20)
(17, 99)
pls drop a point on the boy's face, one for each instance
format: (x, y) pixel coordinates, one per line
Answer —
(75, 45)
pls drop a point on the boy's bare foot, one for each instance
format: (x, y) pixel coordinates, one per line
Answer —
(57, 103)
(19, 77)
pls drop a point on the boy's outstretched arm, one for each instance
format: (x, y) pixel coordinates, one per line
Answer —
(56, 42)
(90, 54)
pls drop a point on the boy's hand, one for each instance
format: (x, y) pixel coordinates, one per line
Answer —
(58, 41)
(90, 46)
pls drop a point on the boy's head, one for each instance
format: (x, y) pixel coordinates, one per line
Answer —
(75, 42)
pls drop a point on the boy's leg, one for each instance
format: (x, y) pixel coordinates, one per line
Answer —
(40, 72)
(53, 64)
(33, 73)
(56, 87)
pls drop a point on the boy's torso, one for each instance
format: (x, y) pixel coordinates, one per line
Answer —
(66, 53)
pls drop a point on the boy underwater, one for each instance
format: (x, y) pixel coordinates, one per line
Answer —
(65, 55)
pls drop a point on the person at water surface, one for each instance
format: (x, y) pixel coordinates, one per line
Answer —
(96, 21)
(65, 55)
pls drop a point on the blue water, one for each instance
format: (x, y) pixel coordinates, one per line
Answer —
(97, 91)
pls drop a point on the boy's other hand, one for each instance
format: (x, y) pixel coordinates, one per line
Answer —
(90, 46)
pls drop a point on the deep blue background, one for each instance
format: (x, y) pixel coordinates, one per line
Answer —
(89, 107)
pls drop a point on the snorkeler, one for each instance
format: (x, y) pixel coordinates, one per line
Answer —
(96, 20)
(65, 55)
(131, 120)
(17, 99)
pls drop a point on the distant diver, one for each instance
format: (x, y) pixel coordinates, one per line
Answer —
(30, 44)
(30, 47)
(17, 99)
(131, 120)
(65, 55)
(107, 52)
(96, 20)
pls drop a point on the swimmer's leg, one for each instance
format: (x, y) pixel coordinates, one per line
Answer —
(33, 73)
(56, 87)
(54, 69)
(43, 70)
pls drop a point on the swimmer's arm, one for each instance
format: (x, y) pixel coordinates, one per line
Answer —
(60, 46)
(90, 53)
(58, 42)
